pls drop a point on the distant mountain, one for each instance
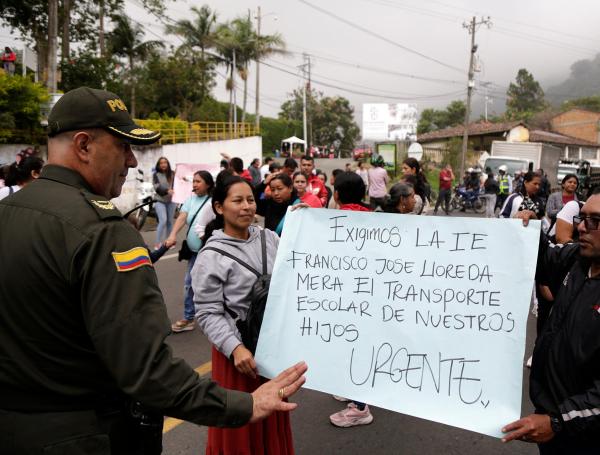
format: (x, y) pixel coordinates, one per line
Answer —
(583, 81)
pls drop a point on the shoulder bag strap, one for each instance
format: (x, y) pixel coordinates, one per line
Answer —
(263, 244)
(235, 258)
(195, 215)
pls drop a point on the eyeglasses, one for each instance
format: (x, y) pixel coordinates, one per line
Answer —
(590, 222)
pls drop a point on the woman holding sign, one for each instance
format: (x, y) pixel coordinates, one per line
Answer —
(223, 285)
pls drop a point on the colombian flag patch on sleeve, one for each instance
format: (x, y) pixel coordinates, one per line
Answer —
(132, 259)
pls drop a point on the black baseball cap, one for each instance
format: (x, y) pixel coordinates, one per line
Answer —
(86, 107)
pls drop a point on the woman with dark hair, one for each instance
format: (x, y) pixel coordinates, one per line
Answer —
(222, 290)
(410, 166)
(526, 198)
(190, 212)
(401, 199)
(21, 174)
(282, 195)
(163, 179)
(557, 200)
(301, 185)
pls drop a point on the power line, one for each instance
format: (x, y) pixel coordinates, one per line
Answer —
(376, 35)
(379, 70)
(371, 94)
(502, 30)
(383, 92)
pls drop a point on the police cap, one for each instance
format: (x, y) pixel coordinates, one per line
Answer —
(86, 107)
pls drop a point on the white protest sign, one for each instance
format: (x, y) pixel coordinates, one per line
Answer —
(421, 315)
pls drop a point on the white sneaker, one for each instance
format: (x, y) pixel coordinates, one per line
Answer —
(337, 397)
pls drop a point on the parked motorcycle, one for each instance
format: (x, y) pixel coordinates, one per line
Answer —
(467, 199)
(144, 205)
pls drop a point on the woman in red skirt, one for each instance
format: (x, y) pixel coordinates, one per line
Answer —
(222, 289)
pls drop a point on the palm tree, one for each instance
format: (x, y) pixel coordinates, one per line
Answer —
(239, 37)
(126, 41)
(199, 33)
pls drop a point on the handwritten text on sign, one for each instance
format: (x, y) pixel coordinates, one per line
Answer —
(421, 315)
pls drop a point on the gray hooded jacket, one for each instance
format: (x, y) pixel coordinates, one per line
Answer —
(219, 280)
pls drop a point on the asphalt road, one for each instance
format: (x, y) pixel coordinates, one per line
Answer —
(390, 432)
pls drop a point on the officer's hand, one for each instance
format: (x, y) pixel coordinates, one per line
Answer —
(170, 242)
(270, 396)
(533, 428)
(526, 215)
(244, 361)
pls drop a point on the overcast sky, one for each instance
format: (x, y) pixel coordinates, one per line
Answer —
(544, 36)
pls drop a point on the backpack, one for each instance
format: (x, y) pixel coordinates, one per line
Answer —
(249, 328)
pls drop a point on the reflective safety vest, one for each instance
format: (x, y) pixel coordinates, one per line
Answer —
(503, 183)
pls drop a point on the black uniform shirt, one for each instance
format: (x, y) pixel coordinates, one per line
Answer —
(81, 313)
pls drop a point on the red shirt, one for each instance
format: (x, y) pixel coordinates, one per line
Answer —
(445, 179)
(9, 57)
(355, 208)
(311, 200)
(566, 199)
(246, 175)
(317, 187)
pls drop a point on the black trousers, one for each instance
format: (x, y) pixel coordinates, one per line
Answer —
(75, 433)
(444, 196)
(563, 445)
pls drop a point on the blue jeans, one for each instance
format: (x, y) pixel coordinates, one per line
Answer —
(188, 292)
(164, 212)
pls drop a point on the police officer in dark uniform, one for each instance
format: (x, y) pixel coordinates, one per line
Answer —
(84, 367)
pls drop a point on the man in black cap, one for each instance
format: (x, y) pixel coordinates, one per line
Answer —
(84, 367)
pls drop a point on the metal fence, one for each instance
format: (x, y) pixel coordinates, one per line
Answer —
(178, 131)
(440, 155)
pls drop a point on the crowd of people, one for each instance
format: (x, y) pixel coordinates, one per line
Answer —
(96, 346)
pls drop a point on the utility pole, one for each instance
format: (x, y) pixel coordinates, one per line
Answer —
(101, 44)
(488, 99)
(308, 113)
(233, 87)
(472, 27)
(303, 67)
(66, 49)
(257, 106)
(52, 44)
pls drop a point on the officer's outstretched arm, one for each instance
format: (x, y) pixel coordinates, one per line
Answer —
(126, 319)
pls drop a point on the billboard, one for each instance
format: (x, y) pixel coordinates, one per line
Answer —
(390, 122)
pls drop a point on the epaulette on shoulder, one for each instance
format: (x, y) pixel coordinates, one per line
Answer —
(103, 207)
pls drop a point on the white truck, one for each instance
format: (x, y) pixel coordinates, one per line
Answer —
(522, 155)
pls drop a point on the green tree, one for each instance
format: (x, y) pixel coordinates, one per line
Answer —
(590, 103)
(183, 94)
(525, 97)
(332, 119)
(333, 123)
(199, 34)
(86, 69)
(291, 109)
(239, 37)
(433, 119)
(21, 102)
(30, 19)
(126, 40)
